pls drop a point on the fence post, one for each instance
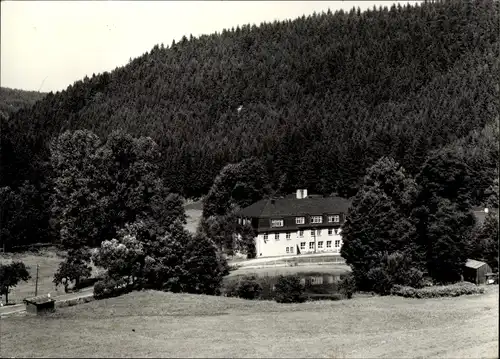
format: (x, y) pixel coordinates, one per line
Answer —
(36, 281)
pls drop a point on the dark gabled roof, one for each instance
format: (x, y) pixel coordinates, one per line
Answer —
(254, 210)
(41, 299)
(294, 207)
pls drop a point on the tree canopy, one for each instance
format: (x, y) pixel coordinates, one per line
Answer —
(316, 100)
(331, 92)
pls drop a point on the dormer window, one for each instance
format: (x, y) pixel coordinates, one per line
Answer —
(276, 223)
(300, 220)
(334, 219)
(316, 219)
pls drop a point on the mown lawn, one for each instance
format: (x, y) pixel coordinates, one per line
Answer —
(156, 324)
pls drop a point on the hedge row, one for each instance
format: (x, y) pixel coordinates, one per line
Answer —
(108, 288)
(453, 290)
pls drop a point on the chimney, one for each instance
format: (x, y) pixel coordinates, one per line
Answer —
(301, 193)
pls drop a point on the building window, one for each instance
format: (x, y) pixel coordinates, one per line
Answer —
(316, 219)
(334, 219)
(277, 236)
(265, 236)
(316, 280)
(301, 234)
(311, 245)
(291, 249)
(328, 244)
(337, 243)
(300, 220)
(312, 233)
(320, 245)
(302, 245)
(330, 232)
(318, 233)
(276, 223)
(239, 220)
(287, 250)
(336, 231)
(288, 236)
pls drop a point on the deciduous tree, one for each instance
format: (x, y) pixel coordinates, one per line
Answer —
(443, 215)
(378, 221)
(484, 243)
(74, 268)
(10, 276)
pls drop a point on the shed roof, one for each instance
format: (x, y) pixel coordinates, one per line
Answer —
(41, 299)
(294, 206)
(472, 263)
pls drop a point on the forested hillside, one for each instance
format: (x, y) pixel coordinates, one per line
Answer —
(323, 97)
(12, 100)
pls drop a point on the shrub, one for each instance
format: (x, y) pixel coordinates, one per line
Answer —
(246, 287)
(289, 289)
(381, 281)
(453, 290)
(228, 288)
(234, 267)
(109, 287)
(88, 282)
(347, 286)
(249, 288)
(335, 296)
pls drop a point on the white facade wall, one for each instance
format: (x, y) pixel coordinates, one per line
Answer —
(317, 243)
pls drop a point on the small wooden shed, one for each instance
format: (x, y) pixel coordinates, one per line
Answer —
(476, 271)
(40, 305)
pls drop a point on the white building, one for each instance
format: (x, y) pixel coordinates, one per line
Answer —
(297, 224)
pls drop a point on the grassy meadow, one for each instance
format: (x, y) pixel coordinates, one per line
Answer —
(194, 211)
(157, 324)
(48, 260)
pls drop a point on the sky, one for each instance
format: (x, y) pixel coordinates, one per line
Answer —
(48, 45)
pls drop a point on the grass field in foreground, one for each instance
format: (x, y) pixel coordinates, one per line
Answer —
(275, 271)
(156, 324)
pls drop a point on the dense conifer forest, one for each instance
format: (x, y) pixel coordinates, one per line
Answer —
(12, 100)
(318, 100)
